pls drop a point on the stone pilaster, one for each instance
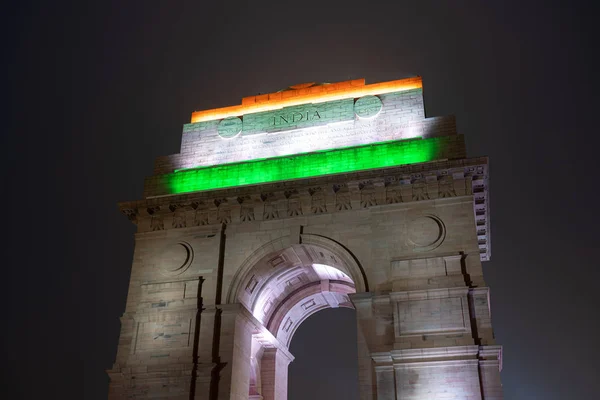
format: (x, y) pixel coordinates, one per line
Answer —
(274, 373)
(490, 365)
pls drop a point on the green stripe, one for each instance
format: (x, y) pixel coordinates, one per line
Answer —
(308, 165)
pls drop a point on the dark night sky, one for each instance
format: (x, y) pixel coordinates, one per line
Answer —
(97, 91)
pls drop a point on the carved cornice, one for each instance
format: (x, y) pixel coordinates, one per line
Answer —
(484, 356)
(326, 194)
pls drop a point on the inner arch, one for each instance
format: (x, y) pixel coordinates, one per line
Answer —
(307, 248)
(292, 295)
(287, 286)
(281, 288)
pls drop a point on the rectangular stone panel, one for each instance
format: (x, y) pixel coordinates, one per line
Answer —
(438, 380)
(430, 316)
(425, 267)
(163, 335)
(163, 291)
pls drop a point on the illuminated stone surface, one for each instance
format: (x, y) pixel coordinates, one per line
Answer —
(368, 107)
(298, 117)
(229, 127)
(335, 161)
(384, 214)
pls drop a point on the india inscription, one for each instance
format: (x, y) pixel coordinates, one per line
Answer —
(302, 116)
(296, 117)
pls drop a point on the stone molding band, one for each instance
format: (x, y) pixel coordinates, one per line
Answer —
(429, 181)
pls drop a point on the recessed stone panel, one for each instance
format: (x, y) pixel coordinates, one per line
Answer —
(251, 284)
(163, 335)
(308, 304)
(430, 316)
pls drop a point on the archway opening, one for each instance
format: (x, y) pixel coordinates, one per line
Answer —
(326, 359)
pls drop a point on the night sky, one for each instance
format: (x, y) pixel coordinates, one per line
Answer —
(96, 91)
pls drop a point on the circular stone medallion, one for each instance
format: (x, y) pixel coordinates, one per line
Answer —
(229, 127)
(426, 232)
(175, 258)
(368, 107)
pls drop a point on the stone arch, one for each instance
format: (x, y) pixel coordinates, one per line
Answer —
(354, 268)
(281, 284)
(308, 300)
(357, 273)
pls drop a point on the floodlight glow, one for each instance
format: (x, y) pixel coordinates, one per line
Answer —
(328, 272)
(307, 165)
(259, 307)
(316, 94)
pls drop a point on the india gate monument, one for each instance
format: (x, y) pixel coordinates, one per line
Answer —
(317, 196)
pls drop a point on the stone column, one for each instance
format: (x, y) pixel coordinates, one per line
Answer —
(386, 388)
(367, 380)
(274, 374)
(235, 345)
(385, 374)
(206, 366)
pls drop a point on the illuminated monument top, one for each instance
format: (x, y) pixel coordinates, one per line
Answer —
(306, 131)
(334, 132)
